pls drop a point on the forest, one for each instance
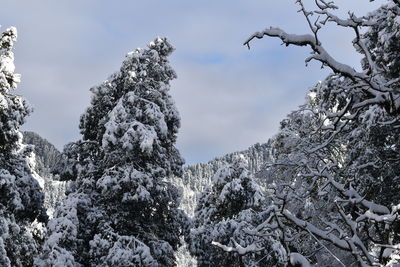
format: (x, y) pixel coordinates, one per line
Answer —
(324, 191)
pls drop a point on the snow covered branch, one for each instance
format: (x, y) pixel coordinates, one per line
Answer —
(336, 158)
(367, 81)
(238, 248)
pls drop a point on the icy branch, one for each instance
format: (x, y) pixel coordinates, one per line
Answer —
(326, 235)
(238, 248)
(374, 86)
(297, 259)
(319, 53)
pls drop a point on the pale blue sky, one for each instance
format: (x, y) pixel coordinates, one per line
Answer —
(229, 97)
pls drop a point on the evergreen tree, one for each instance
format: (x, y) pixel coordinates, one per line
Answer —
(122, 211)
(225, 218)
(21, 199)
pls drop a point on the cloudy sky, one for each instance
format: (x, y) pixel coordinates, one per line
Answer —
(229, 97)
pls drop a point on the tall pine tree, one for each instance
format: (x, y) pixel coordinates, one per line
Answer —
(21, 199)
(122, 211)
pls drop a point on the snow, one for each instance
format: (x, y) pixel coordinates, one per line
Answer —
(132, 74)
(32, 163)
(133, 126)
(230, 188)
(239, 249)
(388, 218)
(297, 259)
(7, 63)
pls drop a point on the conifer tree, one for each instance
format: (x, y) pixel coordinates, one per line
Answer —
(226, 216)
(122, 211)
(21, 199)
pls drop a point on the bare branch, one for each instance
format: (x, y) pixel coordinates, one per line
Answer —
(307, 14)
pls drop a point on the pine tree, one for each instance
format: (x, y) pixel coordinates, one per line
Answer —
(21, 199)
(122, 210)
(226, 216)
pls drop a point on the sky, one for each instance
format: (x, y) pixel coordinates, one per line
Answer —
(229, 97)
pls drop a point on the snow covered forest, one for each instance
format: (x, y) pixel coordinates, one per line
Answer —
(324, 191)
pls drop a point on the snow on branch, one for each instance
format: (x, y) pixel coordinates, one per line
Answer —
(374, 86)
(238, 248)
(297, 259)
(319, 54)
(354, 197)
(326, 235)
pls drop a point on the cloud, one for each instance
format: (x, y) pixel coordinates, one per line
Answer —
(227, 107)
(228, 97)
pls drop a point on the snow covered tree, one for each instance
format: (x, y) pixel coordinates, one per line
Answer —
(336, 158)
(225, 219)
(122, 210)
(21, 199)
